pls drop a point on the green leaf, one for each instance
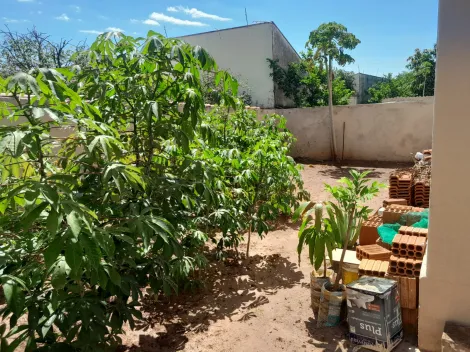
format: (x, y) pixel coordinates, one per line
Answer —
(73, 257)
(52, 252)
(92, 251)
(47, 325)
(14, 296)
(32, 216)
(319, 251)
(59, 274)
(53, 222)
(51, 195)
(74, 223)
(113, 275)
(25, 82)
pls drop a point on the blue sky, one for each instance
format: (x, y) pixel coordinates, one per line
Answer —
(389, 30)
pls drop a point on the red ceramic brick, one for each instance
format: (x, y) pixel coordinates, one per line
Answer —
(396, 241)
(404, 241)
(395, 251)
(411, 242)
(401, 262)
(409, 263)
(417, 264)
(376, 267)
(399, 201)
(420, 244)
(411, 254)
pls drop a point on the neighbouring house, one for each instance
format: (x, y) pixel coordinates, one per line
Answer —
(244, 52)
(362, 83)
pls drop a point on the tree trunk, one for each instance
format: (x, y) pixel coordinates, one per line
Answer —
(330, 108)
(424, 85)
(248, 244)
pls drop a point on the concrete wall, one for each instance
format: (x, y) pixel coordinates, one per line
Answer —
(445, 279)
(285, 54)
(375, 132)
(243, 51)
(362, 83)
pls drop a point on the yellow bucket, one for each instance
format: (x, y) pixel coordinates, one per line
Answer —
(350, 273)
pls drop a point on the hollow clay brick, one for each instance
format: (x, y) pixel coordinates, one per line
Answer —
(417, 273)
(401, 271)
(399, 201)
(409, 263)
(409, 231)
(419, 255)
(417, 264)
(384, 268)
(411, 242)
(403, 253)
(411, 254)
(376, 267)
(402, 230)
(392, 270)
(395, 251)
(401, 262)
(369, 266)
(396, 241)
(404, 241)
(423, 232)
(420, 245)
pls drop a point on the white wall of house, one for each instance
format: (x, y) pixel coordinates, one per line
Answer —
(243, 51)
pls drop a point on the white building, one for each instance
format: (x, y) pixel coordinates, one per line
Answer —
(244, 52)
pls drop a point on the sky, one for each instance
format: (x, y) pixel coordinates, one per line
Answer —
(389, 31)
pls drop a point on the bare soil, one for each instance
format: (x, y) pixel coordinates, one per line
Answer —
(258, 305)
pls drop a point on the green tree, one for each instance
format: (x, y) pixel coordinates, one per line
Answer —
(392, 87)
(423, 66)
(34, 49)
(329, 42)
(128, 200)
(306, 83)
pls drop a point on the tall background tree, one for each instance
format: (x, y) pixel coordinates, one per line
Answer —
(329, 42)
(21, 52)
(418, 81)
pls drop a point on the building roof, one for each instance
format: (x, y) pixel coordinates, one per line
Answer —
(240, 27)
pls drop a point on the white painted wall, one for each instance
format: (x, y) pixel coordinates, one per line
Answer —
(375, 132)
(445, 281)
(243, 51)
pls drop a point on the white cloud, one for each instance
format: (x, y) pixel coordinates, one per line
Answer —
(63, 17)
(164, 18)
(75, 8)
(90, 31)
(133, 20)
(13, 20)
(115, 29)
(151, 22)
(195, 13)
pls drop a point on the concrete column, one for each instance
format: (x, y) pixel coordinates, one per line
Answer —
(445, 279)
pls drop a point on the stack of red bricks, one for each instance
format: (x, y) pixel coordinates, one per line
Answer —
(401, 185)
(422, 190)
(408, 248)
(371, 267)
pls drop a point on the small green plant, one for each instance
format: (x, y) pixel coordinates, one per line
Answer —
(347, 212)
(315, 235)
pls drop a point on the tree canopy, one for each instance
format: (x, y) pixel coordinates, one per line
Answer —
(34, 49)
(418, 81)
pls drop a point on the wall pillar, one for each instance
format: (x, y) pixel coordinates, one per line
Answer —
(445, 278)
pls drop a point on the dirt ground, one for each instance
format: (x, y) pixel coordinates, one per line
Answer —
(263, 305)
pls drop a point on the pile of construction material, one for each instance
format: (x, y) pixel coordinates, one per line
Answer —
(413, 184)
(401, 261)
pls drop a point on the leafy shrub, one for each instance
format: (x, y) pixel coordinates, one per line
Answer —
(129, 197)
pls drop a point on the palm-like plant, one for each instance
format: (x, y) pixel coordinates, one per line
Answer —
(329, 42)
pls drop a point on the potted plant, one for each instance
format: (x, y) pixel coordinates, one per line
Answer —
(341, 228)
(319, 242)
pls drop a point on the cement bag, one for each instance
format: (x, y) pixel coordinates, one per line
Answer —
(331, 303)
